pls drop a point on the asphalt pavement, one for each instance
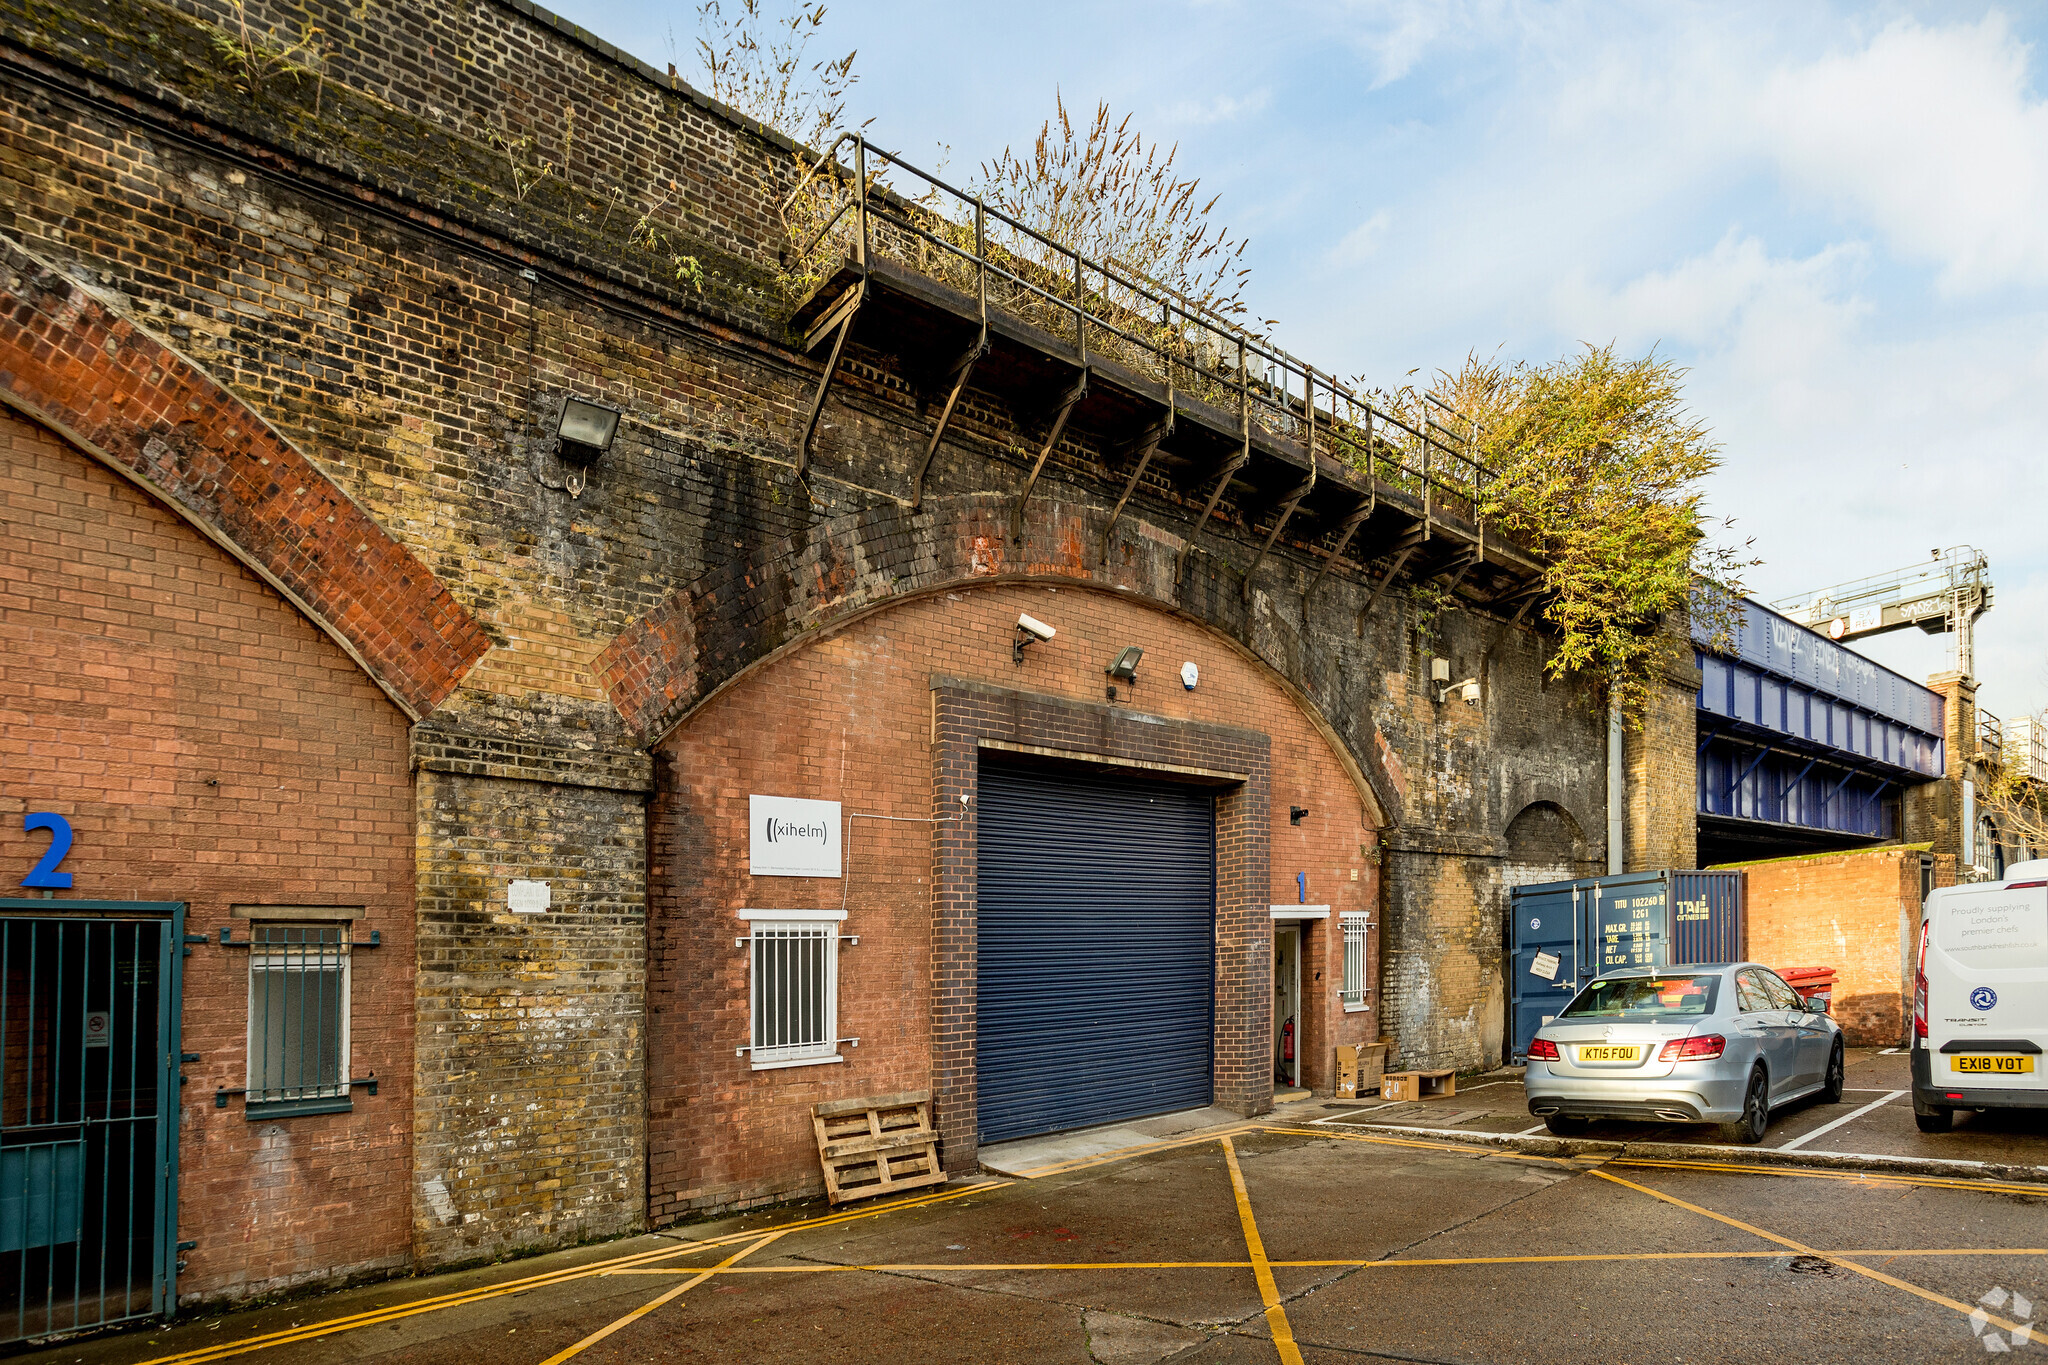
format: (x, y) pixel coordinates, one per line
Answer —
(1278, 1239)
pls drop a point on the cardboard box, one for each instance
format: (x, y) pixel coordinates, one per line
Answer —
(1359, 1070)
(1420, 1085)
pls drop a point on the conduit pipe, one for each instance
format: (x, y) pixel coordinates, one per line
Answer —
(1616, 789)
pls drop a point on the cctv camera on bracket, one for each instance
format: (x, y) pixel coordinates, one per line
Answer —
(1030, 630)
(1468, 689)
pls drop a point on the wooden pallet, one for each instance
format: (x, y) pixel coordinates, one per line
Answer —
(877, 1146)
(1419, 1085)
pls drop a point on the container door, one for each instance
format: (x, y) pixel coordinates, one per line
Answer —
(1544, 922)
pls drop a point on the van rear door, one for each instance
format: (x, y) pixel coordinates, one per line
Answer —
(1987, 987)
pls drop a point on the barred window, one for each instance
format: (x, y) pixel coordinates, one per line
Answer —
(298, 1013)
(1356, 926)
(793, 987)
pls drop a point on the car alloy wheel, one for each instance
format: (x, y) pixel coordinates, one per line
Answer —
(1756, 1112)
(1832, 1090)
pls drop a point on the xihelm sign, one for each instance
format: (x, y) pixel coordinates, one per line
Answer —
(788, 837)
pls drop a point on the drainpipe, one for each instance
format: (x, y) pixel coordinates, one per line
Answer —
(1616, 789)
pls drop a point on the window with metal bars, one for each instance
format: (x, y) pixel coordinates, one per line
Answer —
(1356, 927)
(793, 987)
(298, 1015)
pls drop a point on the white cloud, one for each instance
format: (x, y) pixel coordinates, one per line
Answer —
(1363, 241)
(1705, 300)
(1931, 134)
(1217, 109)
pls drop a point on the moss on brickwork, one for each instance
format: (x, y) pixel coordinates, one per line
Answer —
(1831, 853)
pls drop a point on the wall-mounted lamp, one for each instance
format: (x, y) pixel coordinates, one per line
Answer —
(1030, 630)
(1125, 668)
(585, 432)
(1296, 814)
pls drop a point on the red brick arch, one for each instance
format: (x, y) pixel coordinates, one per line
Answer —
(708, 634)
(73, 364)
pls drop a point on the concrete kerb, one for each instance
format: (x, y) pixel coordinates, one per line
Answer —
(1733, 1156)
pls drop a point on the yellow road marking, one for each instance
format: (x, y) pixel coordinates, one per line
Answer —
(1868, 1177)
(644, 1309)
(1126, 1153)
(1262, 1271)
(1964, 1308)
(372, 1317)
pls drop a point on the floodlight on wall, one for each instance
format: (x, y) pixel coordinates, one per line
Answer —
(1125, 666)
(585, 431)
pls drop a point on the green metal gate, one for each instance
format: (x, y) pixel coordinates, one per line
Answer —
(89, 1005)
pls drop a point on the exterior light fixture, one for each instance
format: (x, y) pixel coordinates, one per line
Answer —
(1125, 669)
(585, 432)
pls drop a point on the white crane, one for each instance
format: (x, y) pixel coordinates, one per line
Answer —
(1946, 593)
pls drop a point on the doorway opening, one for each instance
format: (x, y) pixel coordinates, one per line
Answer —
(1287, 1005)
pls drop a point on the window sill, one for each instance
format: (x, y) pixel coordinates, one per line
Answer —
(286, 1109)
(1357, 1009)
(798, 1061)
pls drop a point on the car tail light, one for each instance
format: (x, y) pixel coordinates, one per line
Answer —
(1542, 1049)
(1920, 987)
(2021, 886)
(1693, 1049)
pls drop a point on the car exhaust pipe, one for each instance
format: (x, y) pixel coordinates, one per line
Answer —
(1544, 1111)
(1674, 1114)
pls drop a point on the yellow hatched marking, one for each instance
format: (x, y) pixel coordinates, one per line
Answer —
(666, 1296)
(1964, 1308)
(1864, 1177)
(392, 1313)
(1262, 1270)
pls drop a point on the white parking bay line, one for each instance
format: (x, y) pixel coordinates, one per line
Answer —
(1537, 1129)
(1801, 1141)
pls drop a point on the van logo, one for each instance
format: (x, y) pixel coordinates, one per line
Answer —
(1535, 924)
(1983, 998)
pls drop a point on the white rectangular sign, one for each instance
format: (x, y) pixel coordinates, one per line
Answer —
(1544, 966)
(1993, 927)
(789, 837)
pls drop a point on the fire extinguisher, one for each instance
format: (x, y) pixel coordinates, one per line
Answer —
(1287, 1041)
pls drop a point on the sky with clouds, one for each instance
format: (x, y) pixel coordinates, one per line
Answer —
(1835, 216)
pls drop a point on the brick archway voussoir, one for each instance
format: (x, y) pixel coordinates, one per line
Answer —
(75, 365)
(709, 633)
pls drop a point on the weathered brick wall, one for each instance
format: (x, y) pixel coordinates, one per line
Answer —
(351, 258)
(1660, 757)
(1857, 912)
(532, 1037)
(210, 745)
(885, 715)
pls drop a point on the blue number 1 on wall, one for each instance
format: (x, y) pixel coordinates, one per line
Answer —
(45, 873)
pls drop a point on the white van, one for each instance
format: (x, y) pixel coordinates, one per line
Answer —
(1980, 1002)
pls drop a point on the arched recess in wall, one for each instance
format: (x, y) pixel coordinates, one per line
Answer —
(793, 592)
(73, 364)
(1542, 843)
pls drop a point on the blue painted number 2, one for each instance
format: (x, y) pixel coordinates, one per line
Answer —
(45, 872)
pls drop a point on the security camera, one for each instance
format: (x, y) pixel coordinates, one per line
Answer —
(1030, 630)
(1468, 689)
(1470, 692)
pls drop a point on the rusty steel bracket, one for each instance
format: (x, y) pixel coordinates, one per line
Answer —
(1230, 468)
(1464, 567)
(1074, 394)
(1288, 504)
(1345, 532)
(840, 315)
(962, 369)
(1407, 546)
(1148, 446)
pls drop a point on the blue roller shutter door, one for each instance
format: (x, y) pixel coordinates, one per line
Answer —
(1096, 938)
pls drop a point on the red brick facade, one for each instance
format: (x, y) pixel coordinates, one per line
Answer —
(886, 716)
(1856, 912)
(210, 745)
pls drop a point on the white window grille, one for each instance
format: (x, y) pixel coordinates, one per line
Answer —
(793, 987)
(298, 1012)
(1356, 926)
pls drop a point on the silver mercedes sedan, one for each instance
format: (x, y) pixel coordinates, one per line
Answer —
(1719, 1044)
